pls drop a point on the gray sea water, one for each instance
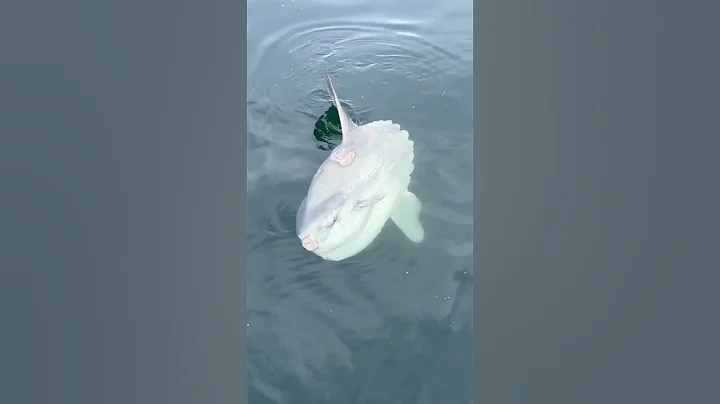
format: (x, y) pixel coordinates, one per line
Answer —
(393, 323)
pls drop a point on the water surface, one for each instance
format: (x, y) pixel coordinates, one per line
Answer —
(392, 324)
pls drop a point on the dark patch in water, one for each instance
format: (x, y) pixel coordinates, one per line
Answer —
(327, 128)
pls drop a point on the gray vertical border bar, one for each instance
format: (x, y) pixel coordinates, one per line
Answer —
(596, 172)
(123, 202)
(241, 56)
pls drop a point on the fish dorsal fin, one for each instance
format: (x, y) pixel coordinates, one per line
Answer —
(346, 125)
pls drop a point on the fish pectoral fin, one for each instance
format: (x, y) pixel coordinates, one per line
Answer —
(372, 200)
(406, 216)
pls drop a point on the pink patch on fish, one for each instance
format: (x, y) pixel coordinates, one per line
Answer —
(343, 157)
(310, 244)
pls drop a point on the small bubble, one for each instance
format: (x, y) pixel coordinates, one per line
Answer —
(407, 272)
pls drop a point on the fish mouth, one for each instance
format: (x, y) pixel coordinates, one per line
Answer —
(310, 244)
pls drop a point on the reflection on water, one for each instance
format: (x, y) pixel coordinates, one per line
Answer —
(392, 324)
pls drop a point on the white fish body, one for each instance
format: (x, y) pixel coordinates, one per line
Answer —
(363, 183)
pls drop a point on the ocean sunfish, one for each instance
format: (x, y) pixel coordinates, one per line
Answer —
(362, 184)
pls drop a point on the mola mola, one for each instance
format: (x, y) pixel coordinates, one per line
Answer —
(362, 184)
